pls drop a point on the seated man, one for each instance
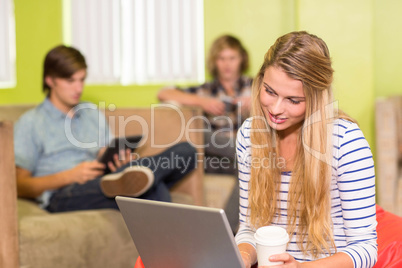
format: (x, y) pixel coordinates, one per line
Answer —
(225, 102)
(65, 175)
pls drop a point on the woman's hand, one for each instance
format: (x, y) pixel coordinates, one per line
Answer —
(246, 259)
(248, 254)
(288, 261)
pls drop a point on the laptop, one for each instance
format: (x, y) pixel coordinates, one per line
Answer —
(170, 235)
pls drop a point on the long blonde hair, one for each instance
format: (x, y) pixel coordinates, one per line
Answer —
(306, 58)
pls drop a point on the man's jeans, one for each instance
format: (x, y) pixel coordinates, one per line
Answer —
(168, 167)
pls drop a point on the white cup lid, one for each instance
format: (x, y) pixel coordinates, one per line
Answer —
(271, 236)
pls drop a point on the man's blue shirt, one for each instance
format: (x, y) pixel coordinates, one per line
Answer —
(47, 141)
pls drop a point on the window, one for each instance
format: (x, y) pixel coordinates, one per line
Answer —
(7, 44)
(138, 41)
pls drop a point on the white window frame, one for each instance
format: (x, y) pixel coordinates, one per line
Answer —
(138, 41)
(7, 44)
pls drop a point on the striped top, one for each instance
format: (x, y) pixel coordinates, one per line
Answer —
(352, 194)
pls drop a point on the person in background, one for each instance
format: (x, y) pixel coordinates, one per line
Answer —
(304, 165)
(64, 175)
(225, 101)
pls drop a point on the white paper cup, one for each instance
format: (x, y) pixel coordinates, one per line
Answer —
(270, 240)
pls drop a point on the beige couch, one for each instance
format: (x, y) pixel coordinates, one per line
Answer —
(389, 153)
(95, 238)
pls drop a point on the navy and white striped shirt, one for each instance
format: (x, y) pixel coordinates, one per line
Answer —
(352, 194)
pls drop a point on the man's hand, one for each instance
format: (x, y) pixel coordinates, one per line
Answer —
(86, 171)
(120, 160)
(245, 102)
(32, 187)
(212, 106)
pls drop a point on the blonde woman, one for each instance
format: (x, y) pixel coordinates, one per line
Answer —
(303, 165)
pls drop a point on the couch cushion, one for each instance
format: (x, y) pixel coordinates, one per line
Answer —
(29, 208)
(94, 238)
(182, 198)
(217, 188)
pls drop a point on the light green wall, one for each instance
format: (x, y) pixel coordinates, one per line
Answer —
(362, 36)
(387, 43)
(346, 27)
(37, 25)
(257, 23)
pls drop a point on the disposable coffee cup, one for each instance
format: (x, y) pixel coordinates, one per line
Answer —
(270, 240)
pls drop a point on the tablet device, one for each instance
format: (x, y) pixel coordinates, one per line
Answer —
(171, 235)
(118, 144)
